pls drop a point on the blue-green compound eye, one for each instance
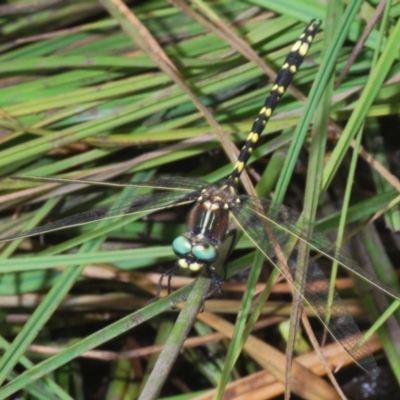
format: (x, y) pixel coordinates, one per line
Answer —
(181, 245)
(205, 252)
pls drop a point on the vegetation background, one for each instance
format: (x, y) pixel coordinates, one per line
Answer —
(87, 93)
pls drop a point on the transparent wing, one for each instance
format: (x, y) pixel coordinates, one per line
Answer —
(287, 223)
(265, 226)
(176, 183)
(143, 203)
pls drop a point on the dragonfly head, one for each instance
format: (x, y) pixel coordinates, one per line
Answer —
(194, 254)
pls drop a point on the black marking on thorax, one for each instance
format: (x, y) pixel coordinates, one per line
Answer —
(209, 218)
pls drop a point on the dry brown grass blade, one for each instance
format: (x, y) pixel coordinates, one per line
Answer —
(143, 38)
(262, 385)
(359, 45)
(275, 362)
(226, 33)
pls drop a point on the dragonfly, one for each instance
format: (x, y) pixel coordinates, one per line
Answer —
(219, 207)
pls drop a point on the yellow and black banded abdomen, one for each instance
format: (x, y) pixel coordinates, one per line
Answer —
(284, 78)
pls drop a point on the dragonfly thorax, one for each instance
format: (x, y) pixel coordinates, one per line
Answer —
(207, 227)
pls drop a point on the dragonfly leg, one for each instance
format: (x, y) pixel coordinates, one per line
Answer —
(169, 272)
(217, 281)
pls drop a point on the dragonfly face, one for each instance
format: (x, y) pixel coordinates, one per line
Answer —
(207, 228)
